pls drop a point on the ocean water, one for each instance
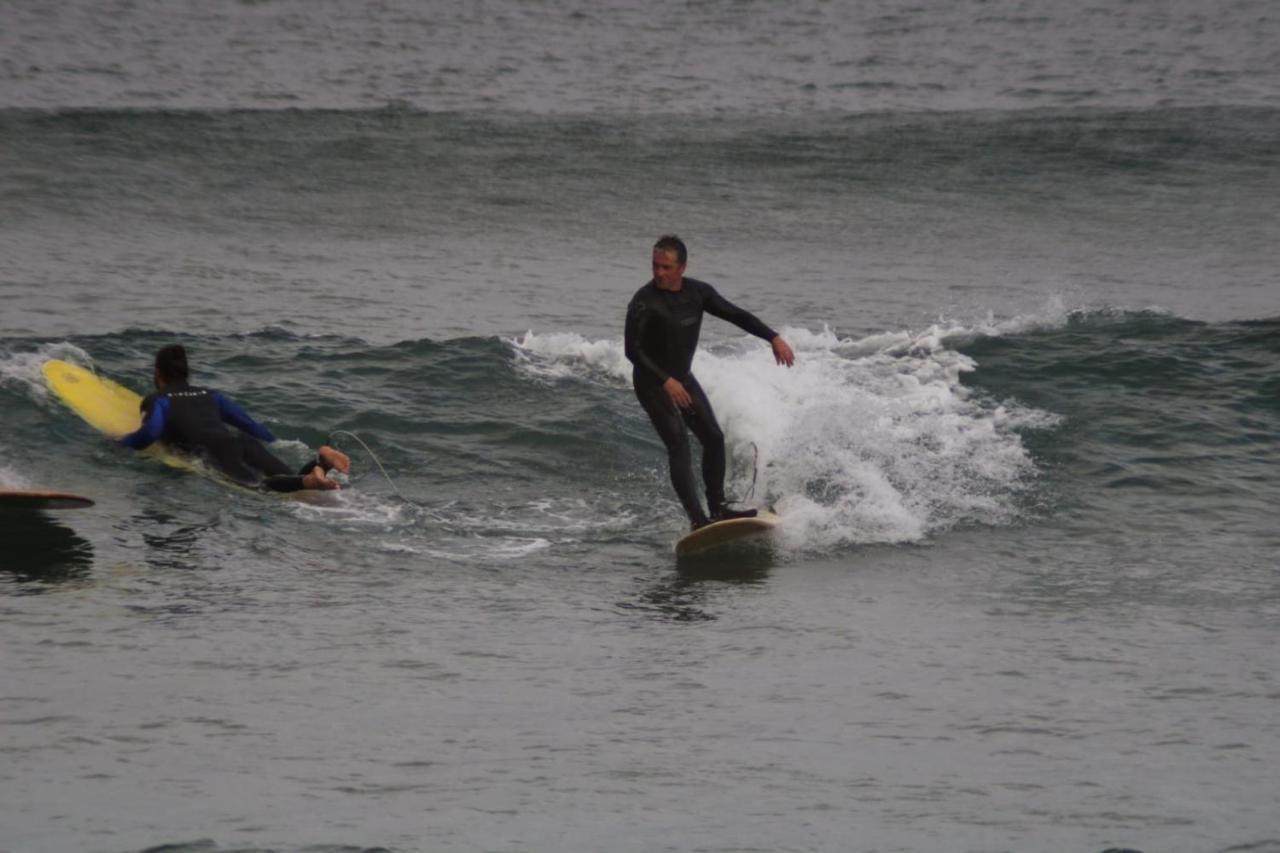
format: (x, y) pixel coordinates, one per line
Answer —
(1025, 597)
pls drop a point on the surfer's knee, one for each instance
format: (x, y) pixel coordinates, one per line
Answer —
(677, 445)
(711, 437)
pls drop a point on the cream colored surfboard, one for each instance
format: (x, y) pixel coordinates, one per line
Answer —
(723, 532)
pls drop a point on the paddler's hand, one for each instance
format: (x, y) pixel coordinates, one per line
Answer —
(782, 351)
(677, 394)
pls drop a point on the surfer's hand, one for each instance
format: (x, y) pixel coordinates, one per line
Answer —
(677, 394)
(782, 352)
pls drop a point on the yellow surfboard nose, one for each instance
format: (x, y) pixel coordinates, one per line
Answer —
(105, 405)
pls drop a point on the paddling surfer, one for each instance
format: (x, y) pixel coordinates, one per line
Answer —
(191, 420)
(663, 322)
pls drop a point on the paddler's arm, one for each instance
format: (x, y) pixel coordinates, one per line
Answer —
(152, 426)
(239, 418)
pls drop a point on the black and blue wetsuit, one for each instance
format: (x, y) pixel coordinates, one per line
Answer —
(661, 337)
(191, 420)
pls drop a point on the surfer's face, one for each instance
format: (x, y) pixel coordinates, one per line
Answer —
(668, 273)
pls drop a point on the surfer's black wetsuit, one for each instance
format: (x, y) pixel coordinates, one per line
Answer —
(191, 419)
(661, 337)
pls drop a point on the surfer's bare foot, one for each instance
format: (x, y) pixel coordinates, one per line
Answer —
(334, 459)
(317, 480)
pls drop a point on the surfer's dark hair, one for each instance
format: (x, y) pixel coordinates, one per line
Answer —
(672, 243)
(171, 363)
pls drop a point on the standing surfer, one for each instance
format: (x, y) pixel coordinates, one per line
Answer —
(191, 420)
(663, 322)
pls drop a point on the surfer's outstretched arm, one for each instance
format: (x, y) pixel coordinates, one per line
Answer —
(717, 306)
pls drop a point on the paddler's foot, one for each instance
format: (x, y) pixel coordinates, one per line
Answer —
(332, 458)
(723, 513)
(699, 523)
(317, 480)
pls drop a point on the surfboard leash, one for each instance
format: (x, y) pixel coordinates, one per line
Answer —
(755, 469)
(375, 459)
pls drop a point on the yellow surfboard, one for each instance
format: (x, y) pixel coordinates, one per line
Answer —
(723, 532)
(106, 406)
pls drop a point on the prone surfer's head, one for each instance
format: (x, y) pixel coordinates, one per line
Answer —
(171, 365)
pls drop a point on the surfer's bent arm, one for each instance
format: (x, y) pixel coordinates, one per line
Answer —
(633, 339)
(239, 418)
(152, 426)
(717, 306)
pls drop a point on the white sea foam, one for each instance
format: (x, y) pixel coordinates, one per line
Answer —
(22, 369)
(350, 507)
(558, 355)
(865, 440)
(559, 519)
(397, 548)
(455, 550)
(11, 478)
(512, 547)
